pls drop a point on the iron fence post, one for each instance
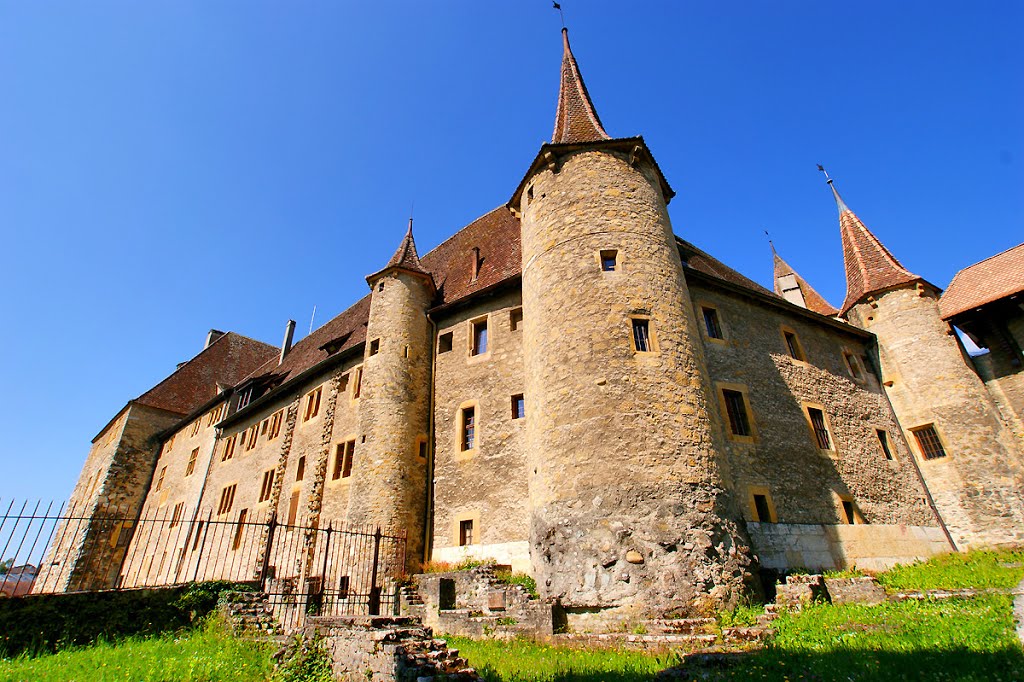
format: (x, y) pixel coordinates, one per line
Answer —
(374, 605)
(271, 531)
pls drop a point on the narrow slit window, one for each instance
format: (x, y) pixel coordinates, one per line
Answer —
(821, 434)
(712, 324)
(357, 383)
(928, 440)
(736, 409)
(190, 468)
(466, 532)
(515, 319)
(343, 587)
(444, 342)
(609, 260)
(239, 530)
(339, 461)
(468, 428)
(479, 346)
(848, 512)
(641, 335)
(350, 451)
(761, 509)
(293, 508)
(300, 470)
(518, 406)
(160, 479)
(883, 440)
(422, 449)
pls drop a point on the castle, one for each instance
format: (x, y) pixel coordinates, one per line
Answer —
(571, 389)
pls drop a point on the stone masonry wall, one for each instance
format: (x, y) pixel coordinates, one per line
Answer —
(489, 485)
(782, 459)
(627, 501)
(978, 486)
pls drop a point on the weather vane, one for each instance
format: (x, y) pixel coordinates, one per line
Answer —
(561, 16)
(827, 178)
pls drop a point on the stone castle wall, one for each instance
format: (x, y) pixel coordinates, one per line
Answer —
(978, 485)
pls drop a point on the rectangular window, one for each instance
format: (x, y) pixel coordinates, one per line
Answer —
(357, 383)
(468, 428)
(343, 384)
(609, 260)
(465, 532)
(343, 454)
(343, 587)
(928, 440)
(312, 404)
(518, 407)
(227, 499)
(421, 448)
(300, 470)
(350, 452)
(267, 488)
(275, 425)
(195, 426)
(848, 512)
(244, 398)
(853, 366)
(479, 339)
(160, 478)
(736, 409)
(229, 448)
(883, 440)
(236, 542)
(711, 323)
(190, 468)
(254, 434)
(264, 425)
(821, 434)
(641, 335)
(176, 515)
(796, 351)
(444, 342)
(515, 319)
(761, 509)
(374, 346)
(293, 508)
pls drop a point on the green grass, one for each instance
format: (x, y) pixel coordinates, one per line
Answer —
(977, 569)
(204, 654)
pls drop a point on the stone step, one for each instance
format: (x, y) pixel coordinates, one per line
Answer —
(681, 626)
(630, 641)
(747, 634)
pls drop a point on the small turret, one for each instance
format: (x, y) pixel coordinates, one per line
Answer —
(389, 463)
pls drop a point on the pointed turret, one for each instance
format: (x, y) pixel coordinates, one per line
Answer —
(795, 289)
(576, 119)
(870, 267)
(405, 258)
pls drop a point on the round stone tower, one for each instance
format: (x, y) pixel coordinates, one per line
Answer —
(388, 486)
(626, 496)
(966, 453)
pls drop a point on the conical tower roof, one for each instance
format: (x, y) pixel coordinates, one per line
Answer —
(405, 258)
(870, 267)
(576, 119)
(795, 289)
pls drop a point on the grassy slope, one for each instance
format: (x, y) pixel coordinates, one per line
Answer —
(206, 654)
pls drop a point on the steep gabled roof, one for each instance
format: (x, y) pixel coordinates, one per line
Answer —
(406, 257)
(808, 297)
(226, 361)
(870, 267)
(994, 278)
(576, 119)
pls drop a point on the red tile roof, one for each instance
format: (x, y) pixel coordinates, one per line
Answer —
(812, 299)
(575, 119)
(406, 257)
(226, 361)
(704, 263)
(994, 278)
(869, 265)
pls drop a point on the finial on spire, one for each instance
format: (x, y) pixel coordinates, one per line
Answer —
(770, 244)
(835, 193)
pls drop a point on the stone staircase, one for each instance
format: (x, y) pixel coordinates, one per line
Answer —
(249, 614)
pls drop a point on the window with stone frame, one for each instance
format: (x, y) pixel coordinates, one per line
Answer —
(467, 430)
(466, 535)
(190, 468)
(267, 487)
(444, 342)
(357, 382)
(853, 366)
(176, 515)
(883, 441)
(478, 337)
(928, 441)
(515, 319)
(343, 455)
(312, 404)
(762, 510)
(518, 407)
(160, 479)
(819, 426)
(793, 345)
(300, 469)
(712, 325)
(642, 340)
(275, 425)
(229, 448)
(195, 426)
(736, 410)
(227, 499)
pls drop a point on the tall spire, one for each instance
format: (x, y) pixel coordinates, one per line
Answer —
(870, 267)
(405, 258)
(575, 119)
(795, 289)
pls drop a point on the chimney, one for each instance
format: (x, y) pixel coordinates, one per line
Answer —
(476, 263)
(289, 332)
(212, 336)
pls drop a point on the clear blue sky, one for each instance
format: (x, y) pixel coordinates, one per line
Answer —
(168, 167)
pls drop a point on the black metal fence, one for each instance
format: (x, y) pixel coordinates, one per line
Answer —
(307, 567)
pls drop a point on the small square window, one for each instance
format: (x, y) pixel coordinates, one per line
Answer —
(374, 346)
(380, 285)
(466, 532)
(518, 407)
(444, 342)
(711, 323)
(796, 351)
(479, 337)
(820, 428)
(928, 440)
(515, 319)
(641, 335)
(609, 260)
(883, 440)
